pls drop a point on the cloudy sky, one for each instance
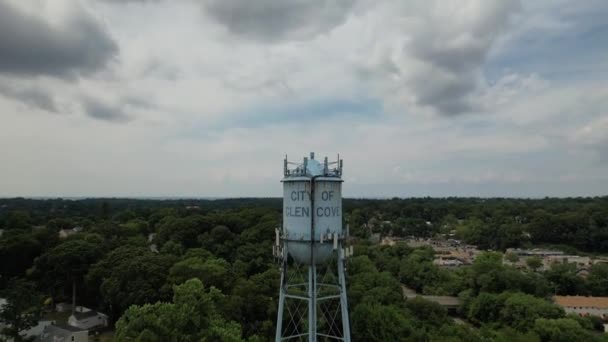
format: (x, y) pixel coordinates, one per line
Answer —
(205, 97)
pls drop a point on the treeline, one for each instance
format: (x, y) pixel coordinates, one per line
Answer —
(580, 223)
(496, 223)
(194, 270)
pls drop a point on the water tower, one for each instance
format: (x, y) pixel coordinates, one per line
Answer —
(311, 248)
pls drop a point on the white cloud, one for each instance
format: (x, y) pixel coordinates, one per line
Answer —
(209, 108)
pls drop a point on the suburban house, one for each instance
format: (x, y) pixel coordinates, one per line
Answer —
(33, 333)
(64, 233)
(37, 329)
(447, 262)
(88, 319)
(583, 306)
(63, 333)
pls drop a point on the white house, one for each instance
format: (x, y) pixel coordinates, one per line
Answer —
(37, 329)
(63, 333)
(64, 233)
(3, 302)
(88, 320)
(28, 334)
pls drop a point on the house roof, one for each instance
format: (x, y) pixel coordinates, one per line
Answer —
(87, 314)
(581, 301)
(65, 327)
(54, 332)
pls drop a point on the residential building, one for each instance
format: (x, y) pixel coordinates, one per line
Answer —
(600, 260)
(63, 333)
(533, 252)
(447, 262)
(36, 330)
(64, 233)
(88, 319)
(584, 306)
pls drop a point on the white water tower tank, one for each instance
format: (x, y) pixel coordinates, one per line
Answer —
(312, 209)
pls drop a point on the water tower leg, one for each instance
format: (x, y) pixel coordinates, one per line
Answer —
(312, 304)
(281, 305)
(343, 300)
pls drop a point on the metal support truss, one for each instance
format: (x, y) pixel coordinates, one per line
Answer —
(312, 301)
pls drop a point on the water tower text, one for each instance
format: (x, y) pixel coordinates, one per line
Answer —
(320, 210)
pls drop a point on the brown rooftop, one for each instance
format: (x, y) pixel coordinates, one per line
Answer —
(581, 301)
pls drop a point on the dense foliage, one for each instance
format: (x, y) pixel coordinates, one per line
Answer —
(202, 270)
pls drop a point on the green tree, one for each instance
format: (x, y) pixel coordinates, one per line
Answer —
(475, 231)
(597, 280)
(192, 316)
(507, 334)
(59, 223)
(512, 257)
(64, 266)
(253, 303)
(521, 310)
(183, 230)
(220, 241)
(562, 330)
(565, 279)
(486, 307)
(534, 263)
(173, 248)
(212, 272)
(380, 323)
(21, 310)
(104, 268)
(453, 333)
(358, 224)
(18, 249)
(419, 272)
(366, 284)
(17, 219)
(427, 311)
(488, 272)
(139, 280)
